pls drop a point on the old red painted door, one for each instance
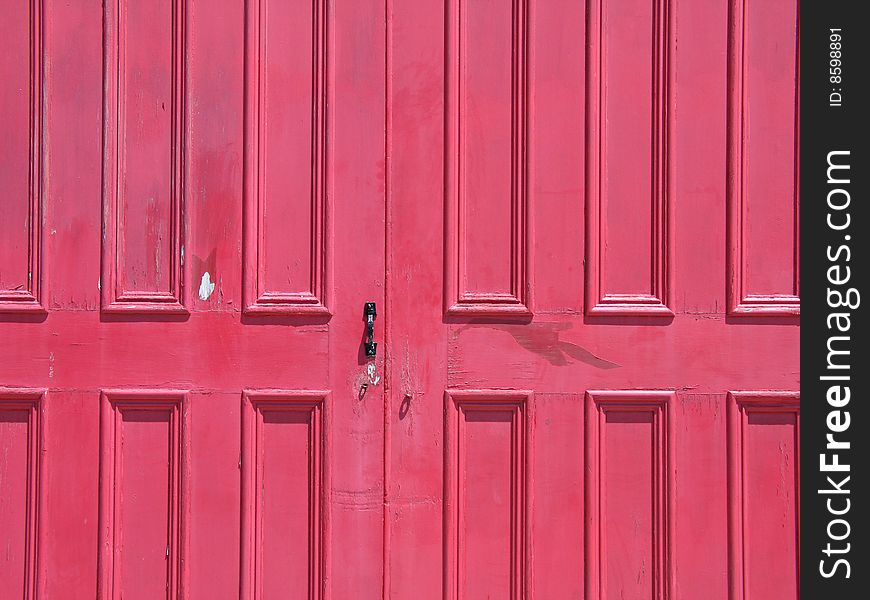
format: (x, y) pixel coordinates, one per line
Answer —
(184, 267)
(593, 388)
(580, 236)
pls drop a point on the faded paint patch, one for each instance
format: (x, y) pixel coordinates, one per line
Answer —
(206, 287)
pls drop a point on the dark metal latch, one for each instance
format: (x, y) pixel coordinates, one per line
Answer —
(370, 312)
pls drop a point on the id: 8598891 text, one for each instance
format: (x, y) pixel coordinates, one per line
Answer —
(835, 67)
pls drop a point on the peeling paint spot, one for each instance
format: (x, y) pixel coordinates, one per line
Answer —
(206, 287)
(99, 284)
(51, 365)
(374, 378)
(182, 255)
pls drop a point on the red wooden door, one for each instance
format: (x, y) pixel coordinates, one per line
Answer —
(593, 388)
(581, 239)
(184, 269)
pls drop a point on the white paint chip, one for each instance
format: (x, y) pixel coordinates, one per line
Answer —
(374, 378)
(206, 287)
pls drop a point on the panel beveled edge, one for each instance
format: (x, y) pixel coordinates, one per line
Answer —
(254, 403)
(113, 299)
(598, 301)
(457, 403)
(30, 400)
(113, 404)
(315, 301)
(740, 301)
(658, 403)
(29, 300)
(740, 405)
(458, 301)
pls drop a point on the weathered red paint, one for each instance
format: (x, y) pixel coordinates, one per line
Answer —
(603, 211)
(581, 238)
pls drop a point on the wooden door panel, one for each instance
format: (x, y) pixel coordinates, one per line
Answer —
(143, 487)
(763, 199)
(144, 148)
(629, 491)
(763, 469)
(486, 159)
(287, 87)
(21, 99)
(283, 495)
(628, 122)
(486, 478)
(20, 474)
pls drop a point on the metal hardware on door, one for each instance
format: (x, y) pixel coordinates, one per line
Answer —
(370, 312)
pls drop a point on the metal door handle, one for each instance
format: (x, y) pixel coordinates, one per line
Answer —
(370, 312)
